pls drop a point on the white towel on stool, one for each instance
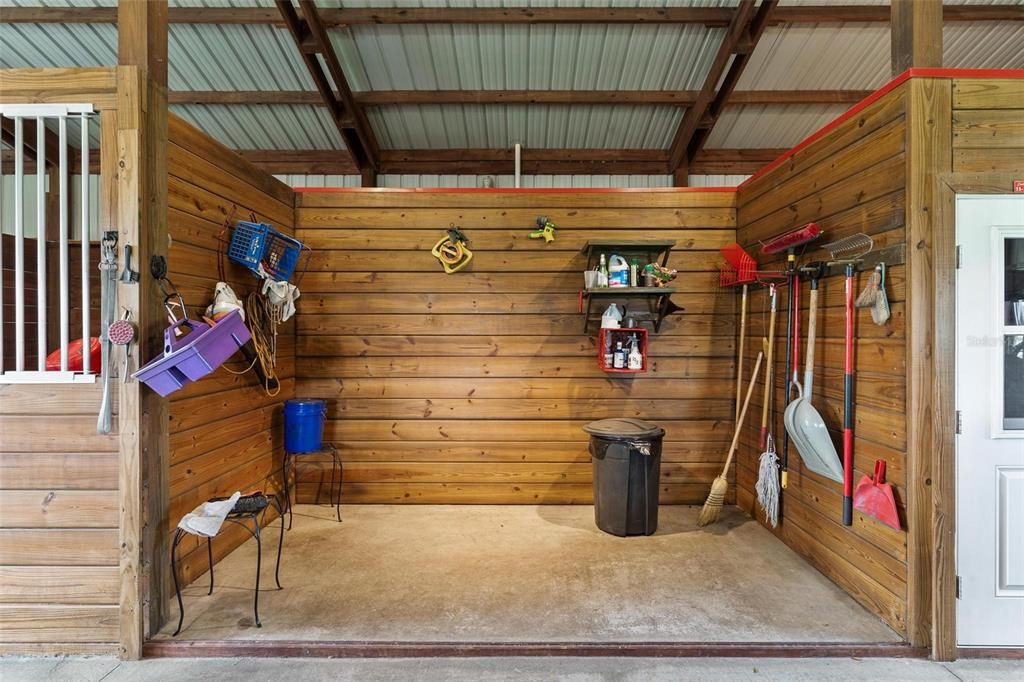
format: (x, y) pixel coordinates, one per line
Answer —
(207, 518)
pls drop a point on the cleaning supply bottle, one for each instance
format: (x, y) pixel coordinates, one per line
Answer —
(602, 272)
(636, 357)
(634, 273)
(619, 361)
(618, 272)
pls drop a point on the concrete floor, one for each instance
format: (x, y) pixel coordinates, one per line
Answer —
(511, 669)
(523, 573)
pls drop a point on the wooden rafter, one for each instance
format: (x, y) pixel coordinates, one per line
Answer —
(314, 45)
(707, 16)
(625, 97)
(52, 144)
(749, 22)
(493, 161)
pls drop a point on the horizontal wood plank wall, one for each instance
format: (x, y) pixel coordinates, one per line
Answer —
(58, 522)
(988, 125)
(473, 387)
(850, 180)
(225, 431)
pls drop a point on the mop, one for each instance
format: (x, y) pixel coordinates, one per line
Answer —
(767, 486)
(713, 505)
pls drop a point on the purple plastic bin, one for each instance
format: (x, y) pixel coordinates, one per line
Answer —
(194, 354)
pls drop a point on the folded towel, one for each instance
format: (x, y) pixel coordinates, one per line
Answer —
(207, 518)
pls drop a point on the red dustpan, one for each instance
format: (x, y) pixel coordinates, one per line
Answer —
(873, 496)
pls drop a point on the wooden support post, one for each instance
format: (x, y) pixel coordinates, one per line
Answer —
(141, 219)
(916, 29)
(928, 156)
(681, 176)
(369, 177)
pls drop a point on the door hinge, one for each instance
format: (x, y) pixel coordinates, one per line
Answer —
(959, 587)
(959, 425)
(959, 256)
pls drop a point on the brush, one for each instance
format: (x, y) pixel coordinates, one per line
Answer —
(713, 505)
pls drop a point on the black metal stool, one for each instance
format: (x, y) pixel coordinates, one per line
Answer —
(336, 465)
(237, 517)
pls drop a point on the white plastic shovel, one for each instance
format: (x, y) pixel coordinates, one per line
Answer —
(803, 423)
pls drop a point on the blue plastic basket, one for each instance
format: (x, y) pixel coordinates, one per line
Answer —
(255, 244)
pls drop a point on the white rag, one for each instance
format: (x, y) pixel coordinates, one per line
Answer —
(207, 518)
(224, 301)
(281, 294)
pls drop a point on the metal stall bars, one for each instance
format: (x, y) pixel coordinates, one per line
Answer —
(41, 115)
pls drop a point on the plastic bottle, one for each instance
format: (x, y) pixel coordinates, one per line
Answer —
(602, 272)
(636, 358)
(634, 273)
(620, 356)
(618, 272)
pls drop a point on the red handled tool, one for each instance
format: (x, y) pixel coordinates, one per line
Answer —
(848, 405)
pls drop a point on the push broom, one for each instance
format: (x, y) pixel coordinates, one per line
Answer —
(713, 505)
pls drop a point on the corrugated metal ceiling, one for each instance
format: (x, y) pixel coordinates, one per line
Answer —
(627, 57)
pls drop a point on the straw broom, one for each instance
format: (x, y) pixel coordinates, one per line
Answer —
(713, 505)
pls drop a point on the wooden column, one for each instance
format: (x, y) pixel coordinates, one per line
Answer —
(928, 156)
(916, 27)
(141, 211)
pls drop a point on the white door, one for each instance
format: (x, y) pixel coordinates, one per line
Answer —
(990, 398)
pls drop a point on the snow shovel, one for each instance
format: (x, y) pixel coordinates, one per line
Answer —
(803, 423)
(874, 497)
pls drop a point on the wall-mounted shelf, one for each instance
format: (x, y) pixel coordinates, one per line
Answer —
(659, 303)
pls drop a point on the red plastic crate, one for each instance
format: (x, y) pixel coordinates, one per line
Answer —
(623, 335)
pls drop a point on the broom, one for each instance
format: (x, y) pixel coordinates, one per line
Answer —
(713, 505)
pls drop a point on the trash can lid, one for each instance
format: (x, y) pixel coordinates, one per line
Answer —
(625, 427)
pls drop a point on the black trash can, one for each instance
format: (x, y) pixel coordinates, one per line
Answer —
(626, 455)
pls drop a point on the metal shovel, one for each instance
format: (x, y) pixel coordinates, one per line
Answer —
(803, 423)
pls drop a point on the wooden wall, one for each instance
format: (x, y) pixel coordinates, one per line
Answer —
(850, 180)
(988, 125)
(59, 585)
(225, 431)
(473, 387)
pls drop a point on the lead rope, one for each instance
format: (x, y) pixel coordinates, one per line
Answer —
(108, 299)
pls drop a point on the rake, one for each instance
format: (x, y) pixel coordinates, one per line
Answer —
(850, 248)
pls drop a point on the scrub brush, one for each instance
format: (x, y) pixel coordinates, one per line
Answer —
(874, 296)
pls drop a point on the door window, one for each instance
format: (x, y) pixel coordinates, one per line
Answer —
(1013, 334)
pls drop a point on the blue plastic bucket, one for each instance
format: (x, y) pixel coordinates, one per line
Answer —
(304, 424)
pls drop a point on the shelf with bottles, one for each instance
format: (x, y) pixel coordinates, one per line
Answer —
(627, 276)
(622, 350)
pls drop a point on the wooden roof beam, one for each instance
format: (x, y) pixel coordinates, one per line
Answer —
(313, 44)
(374, 98)
(500, 161)
(29, 132)
(748, 23)
(706, 16)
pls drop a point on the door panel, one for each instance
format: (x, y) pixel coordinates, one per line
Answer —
(1010, 531)
(990, 398)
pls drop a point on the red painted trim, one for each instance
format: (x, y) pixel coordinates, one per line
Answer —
(511, 190)
(877, 95)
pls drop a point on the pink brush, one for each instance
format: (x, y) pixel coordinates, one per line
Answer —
(122, 333)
